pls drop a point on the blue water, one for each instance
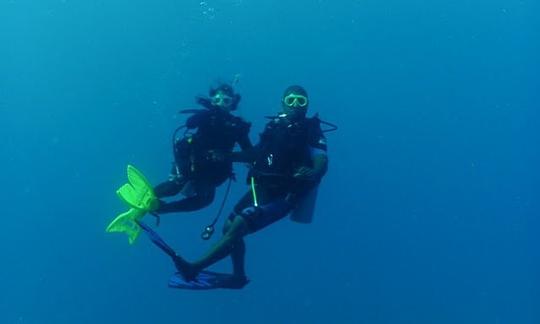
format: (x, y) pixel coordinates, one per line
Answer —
(430, 210)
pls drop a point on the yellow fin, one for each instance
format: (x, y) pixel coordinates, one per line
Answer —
(138, 193)
(125, 223)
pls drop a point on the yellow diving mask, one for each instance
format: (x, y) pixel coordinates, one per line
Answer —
(293, 100)
(221, 100)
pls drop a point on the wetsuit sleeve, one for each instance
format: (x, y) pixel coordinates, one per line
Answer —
(320, 165)
(243, 137)
(246, 156)
(251, 154)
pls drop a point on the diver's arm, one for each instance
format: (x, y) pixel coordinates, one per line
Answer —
(245, 143)
(243, 137)
(249, 152)
(320, 165)
(318, 154)
(318, 168)
(245, 156)
(306, 177)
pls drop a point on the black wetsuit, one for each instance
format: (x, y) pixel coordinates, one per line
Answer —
(284, 147)
(217, 132)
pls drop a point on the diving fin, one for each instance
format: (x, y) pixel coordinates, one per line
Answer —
(207, 280)
(127, 223)
(138, 193)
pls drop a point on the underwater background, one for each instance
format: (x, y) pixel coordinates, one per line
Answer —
(429, 212)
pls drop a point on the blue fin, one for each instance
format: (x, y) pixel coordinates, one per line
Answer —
(208, 280)
(204, 280)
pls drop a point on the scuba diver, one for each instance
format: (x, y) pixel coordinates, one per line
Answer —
(199, 167)
(286, 165)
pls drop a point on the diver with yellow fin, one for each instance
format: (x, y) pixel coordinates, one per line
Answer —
(199, 167)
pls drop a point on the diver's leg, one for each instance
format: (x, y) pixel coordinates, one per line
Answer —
(173, 185)
(200, 200)
(250, 220)
(238, 229)
(168, 188)
(238, 253)
(238, 250)
(238, 256)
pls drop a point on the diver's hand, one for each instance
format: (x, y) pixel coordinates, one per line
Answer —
(216, 156)
(305, 173)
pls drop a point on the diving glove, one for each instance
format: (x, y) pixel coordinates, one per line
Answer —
(305, 173)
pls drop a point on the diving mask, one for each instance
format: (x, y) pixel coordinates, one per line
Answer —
(221, 100)
(293, 100)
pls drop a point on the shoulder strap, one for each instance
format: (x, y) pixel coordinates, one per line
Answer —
(330, 127)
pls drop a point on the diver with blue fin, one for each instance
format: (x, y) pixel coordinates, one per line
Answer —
(199, 165)
(287, 164)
